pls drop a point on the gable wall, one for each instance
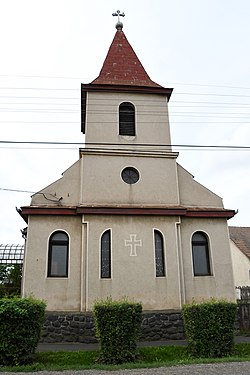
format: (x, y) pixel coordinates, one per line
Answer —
(193, 193)
(102, 182)
(68, 188)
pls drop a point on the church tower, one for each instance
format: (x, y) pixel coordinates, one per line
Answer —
(125, 119)
(126, 220)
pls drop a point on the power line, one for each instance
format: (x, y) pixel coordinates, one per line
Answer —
(42, 77)
(39, 148)
(170, 103)
(38, 88)
(91, 79)
(141, 122)
(36, 103)
(217, 105)
(38, 97)
(195, 102)
(71, 89)
(172, 113)
(126, 145)
(201, 122)
(34, 192)
(39, 122)
(209, 85)
(207, 94)
(78, 89)
(204, 104)
(18, 191)
(39, 110)
(215, 115)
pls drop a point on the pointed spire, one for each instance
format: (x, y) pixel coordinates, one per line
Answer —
(122, 66)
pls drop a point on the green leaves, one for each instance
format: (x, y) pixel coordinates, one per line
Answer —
(21, 321)
(117, 329)
(10, 279)
(209, 327)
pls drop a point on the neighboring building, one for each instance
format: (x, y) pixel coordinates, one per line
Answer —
(240, 251)
(126, 219)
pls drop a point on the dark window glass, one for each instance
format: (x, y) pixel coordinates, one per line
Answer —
(130, 175)
(159, 254)
(200, 250)
(58, 255)
(126, 119)
(106, 255)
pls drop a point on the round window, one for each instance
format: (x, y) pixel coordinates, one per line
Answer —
(130, 175)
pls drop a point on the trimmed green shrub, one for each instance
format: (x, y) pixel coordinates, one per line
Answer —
(21, 321)
(117, 326)
(209, 328)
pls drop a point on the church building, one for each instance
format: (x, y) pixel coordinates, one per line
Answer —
(126, 220)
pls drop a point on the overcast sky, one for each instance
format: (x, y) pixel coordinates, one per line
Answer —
(49, 47)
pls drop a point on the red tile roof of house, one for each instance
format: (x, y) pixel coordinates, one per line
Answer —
(241, 237)
(122, 66)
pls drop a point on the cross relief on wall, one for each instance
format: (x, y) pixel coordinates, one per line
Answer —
(133, 243)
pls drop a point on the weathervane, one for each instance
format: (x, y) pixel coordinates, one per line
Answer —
(118, 14)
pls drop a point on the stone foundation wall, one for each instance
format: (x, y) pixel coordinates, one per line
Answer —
(79, 327)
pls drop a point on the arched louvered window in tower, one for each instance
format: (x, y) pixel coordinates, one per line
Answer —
(106, 255)
(200, 252)
(126, 119)
(58, 255)
(159, 254)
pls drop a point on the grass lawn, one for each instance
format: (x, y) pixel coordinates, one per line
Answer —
(147, 357)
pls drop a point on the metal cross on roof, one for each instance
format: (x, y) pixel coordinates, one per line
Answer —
(118, 14)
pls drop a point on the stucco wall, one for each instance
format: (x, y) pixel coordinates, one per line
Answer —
(220, 284)
(241, 266)
(68, 188)
(102, 182)
(192, 193)
(152, 124)
(162, 182)
(58, 293)
(132, 276)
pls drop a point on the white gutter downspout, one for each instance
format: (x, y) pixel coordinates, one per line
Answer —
(84, 267)
(181, 281)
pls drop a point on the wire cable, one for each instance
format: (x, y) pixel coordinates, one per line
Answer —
(127, 145)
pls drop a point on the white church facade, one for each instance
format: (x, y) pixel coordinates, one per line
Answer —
(126, 220)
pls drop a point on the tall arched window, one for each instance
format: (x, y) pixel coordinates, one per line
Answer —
(106, 255)
(159, 254)
(200, 251)
(126, 119)
(58, 255)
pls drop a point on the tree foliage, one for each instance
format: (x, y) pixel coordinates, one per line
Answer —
(10, 279)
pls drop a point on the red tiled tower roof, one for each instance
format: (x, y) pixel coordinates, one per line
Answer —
(122, 66)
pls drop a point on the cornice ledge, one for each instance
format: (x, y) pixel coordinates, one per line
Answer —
(129, 152)
(105, 209)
